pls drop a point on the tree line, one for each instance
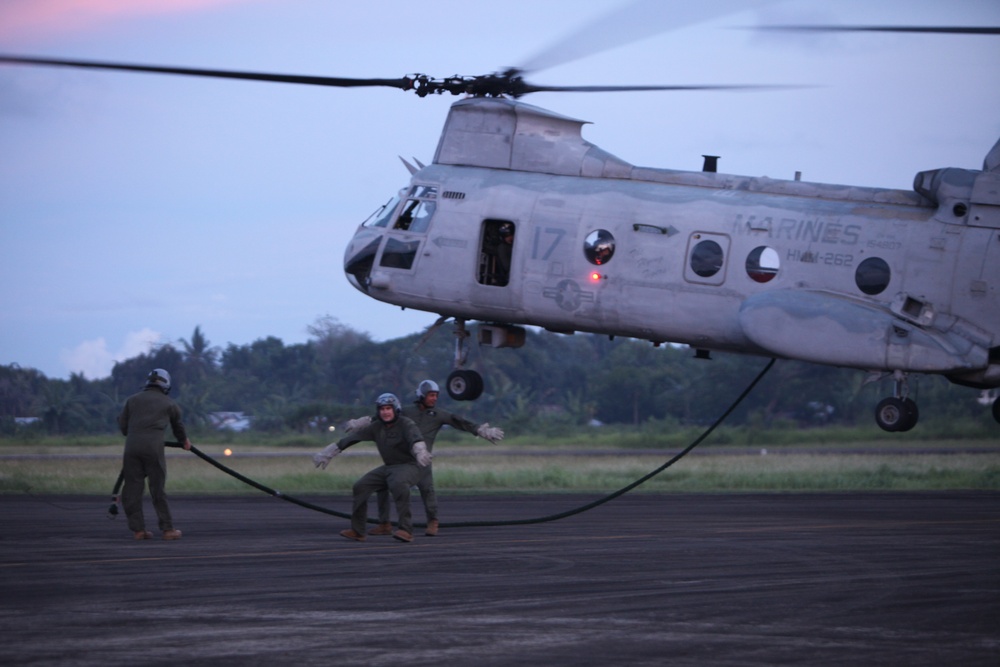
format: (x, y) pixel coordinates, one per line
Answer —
(554, 384)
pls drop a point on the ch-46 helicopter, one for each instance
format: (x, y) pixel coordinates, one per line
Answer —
(519, 221)
(883, 280)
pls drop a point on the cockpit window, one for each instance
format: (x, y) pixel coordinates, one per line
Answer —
(423, 192)
(399, 254)
(360, 263)
(381, 217)
(415, 216)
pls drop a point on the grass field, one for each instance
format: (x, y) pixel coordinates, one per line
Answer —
(60, 468)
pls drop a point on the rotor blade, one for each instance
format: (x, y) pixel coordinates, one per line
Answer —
(631, 23)
(532, 88)
(942, 30)
(403, 83)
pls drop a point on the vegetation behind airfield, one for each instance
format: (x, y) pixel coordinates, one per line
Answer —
(557, 389)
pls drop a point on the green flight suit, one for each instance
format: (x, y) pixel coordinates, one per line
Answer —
(143, 421)
(400, 471)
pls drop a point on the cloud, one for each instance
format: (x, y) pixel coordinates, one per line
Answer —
(94, 360)
(24, 20)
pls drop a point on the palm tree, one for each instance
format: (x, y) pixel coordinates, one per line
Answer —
(63, 408)
(199, 356)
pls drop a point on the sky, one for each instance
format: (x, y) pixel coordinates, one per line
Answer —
(135, 207)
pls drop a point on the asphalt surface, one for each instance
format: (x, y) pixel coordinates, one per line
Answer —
(762, 579)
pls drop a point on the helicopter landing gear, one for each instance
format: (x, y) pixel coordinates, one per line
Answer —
(897, 413)
(463, 384)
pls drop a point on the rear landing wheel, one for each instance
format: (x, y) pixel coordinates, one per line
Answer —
(464, 385)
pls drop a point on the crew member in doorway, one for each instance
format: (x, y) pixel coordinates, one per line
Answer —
(504, 252)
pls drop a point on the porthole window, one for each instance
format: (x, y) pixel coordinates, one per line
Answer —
(763, 264)
(872, 275)
(599, 247)
(706, 258)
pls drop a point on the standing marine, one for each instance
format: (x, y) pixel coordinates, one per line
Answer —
(429, 419)
(143, 421)
(403, 454)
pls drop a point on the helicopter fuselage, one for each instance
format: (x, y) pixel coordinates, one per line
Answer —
(875, 279)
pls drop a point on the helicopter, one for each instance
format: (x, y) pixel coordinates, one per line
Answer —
(890, 282)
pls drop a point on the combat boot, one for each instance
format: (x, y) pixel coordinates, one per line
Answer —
(352, 534)
(381, 529)
(172, 534)
(432, 528)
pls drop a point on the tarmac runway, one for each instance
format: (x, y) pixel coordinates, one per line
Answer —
(756, 579)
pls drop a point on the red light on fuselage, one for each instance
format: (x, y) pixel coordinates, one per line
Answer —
(595, 276)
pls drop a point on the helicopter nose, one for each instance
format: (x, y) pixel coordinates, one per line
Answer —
(357, 284)
(358, 262)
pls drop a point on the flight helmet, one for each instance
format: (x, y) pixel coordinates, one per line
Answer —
(159, 378)
(426, 387)
(389, 399)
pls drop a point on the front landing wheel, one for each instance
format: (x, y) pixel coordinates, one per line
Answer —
(896, 414)
(465, 385)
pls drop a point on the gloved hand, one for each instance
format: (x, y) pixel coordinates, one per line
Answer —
(423, 456)
(360, 422)
(491, 433)
(322, 459)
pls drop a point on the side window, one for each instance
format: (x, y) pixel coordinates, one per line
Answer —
(872, 276)
(763, 264)
(496, 252)
(707, 258)
(599, 247)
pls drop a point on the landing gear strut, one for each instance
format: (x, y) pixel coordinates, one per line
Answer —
(899, 412)
(463, 384)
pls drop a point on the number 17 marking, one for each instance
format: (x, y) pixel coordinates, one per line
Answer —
(538, 245)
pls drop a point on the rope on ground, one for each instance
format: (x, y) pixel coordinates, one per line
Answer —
(629, 487)
(113, 510)
(268, 490)
(512, 522)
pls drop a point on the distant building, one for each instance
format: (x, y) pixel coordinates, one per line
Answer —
(229, 421)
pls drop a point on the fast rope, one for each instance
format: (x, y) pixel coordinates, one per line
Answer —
(113, 510)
